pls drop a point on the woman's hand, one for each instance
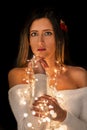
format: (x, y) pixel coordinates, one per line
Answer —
(38, 65)
(47, 106)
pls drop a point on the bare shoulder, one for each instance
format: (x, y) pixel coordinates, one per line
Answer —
(15, 76)
(79, 74)
(78, 70)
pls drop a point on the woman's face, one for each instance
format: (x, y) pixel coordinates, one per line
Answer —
(42, 38)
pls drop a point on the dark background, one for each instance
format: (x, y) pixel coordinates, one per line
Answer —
(12, 16)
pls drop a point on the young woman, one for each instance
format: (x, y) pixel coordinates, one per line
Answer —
(41, 72)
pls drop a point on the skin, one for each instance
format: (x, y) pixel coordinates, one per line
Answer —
(42, 39)
(42, 42)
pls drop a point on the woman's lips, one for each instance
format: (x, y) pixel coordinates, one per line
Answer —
(41, 49)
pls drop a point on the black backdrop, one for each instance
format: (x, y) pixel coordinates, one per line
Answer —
(12, 15)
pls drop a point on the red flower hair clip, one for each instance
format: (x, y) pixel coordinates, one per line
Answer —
(63, 26)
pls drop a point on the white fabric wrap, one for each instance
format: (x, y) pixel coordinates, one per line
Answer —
(75, 104)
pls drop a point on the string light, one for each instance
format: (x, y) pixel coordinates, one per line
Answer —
(27, 94)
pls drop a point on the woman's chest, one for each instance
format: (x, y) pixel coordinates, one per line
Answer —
(62, 82)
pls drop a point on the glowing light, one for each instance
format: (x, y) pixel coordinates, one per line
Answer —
(44, 107)
(29, 124)
(25, 115)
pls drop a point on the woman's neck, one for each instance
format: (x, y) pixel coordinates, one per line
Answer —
(54, 66)
(51, 65)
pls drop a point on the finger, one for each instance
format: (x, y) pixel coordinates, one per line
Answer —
(44, 63)
(48, 97)
(39, 68)
(41, 60)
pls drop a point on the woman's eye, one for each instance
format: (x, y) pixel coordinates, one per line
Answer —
(48, 33)
(33, 34)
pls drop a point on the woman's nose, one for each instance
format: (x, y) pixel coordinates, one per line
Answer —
(41, 39)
